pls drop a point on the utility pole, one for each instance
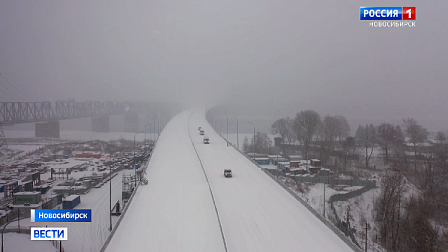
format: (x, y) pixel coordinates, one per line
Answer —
(254, 136)
(110, 191)
(328, 181)
(135, 169)
(366, 228)
(237, 140)
(158, 124)
(227, 130)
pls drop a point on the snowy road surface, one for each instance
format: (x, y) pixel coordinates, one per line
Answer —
(175, 211)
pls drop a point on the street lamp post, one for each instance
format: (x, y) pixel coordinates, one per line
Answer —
(254, 136)
(158, 125)
(145, 132)
(154, 132)
(237, 140)
(227, 140)
(227, 130)
(134, 161)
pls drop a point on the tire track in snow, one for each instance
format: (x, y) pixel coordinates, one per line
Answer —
(209, 186)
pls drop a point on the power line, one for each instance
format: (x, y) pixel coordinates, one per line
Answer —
(7, 89)
(14, 85)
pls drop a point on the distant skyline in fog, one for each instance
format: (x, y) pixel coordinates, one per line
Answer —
(279, 57)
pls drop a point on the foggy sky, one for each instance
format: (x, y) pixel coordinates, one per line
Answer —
(290, 55)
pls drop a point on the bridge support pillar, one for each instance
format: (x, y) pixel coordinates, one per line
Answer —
(47, 129)
(131, 122)
(101, 124)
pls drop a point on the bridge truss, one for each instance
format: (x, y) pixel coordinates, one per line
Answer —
(29, 112)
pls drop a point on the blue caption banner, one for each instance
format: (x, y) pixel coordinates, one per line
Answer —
(61, 215)
(380, 13)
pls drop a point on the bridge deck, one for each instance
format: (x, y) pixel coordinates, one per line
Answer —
(175, 212)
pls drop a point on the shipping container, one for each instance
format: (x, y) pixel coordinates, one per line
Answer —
(27, 197)
(71, 202)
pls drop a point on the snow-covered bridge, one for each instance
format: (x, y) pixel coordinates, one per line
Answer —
(188, 205)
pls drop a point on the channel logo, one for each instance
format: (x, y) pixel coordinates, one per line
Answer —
(387, 13)
(61, 215)
(48, 234)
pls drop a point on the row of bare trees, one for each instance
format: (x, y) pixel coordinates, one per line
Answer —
(312, 131)
(262, 143)
(329, 137)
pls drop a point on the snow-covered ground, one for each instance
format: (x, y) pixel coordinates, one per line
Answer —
(361, 209)
(313, 194)
(27, 147)
(85, 237)
(175, 211)
(22, 242)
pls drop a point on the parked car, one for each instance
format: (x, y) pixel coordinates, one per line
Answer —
(227, 173)
(206, 140)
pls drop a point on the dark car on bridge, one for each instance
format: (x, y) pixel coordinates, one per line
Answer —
(227, 173)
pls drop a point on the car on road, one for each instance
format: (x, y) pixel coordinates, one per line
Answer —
(201, 132)
(206, 140)
(227, 173)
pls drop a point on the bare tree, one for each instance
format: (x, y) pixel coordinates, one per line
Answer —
(284, 127)
(329, 130)
(343, 129)
(306, 125)
(246, 145)
(418, 233)
(388, 136)
(280, 126)
(366, 137)
(441, 154)
(262, 142)
(388, 209)
(290, 136)
(348, 148)
(440, 137)
(416, 134)
(319, 141)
